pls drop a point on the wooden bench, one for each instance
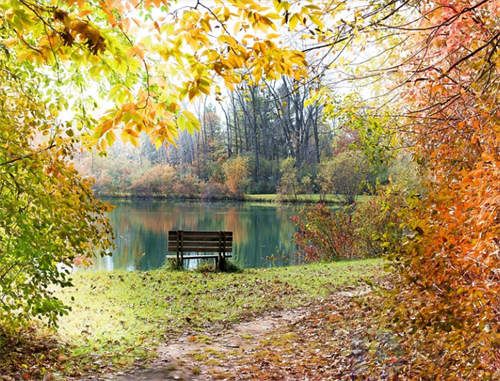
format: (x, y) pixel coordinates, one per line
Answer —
(182, 242)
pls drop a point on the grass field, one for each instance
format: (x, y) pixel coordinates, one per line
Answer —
(120, 317)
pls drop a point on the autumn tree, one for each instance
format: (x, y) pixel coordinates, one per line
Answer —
(451, 290)
(434, 64)
(289, 178)
(236, 171)
(49, 218)
(345, 175)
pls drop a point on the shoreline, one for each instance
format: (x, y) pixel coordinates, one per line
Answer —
(262, 198)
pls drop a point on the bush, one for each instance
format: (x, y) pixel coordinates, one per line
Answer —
(261, 187)
(103, 184)
(188, 186)
(172, 264)
(231, 267)
(227, 266)
(112, 176)
(345, 174)
(158, 179)
(366, 229)
(378, 222)
(306, 184)
(49, 218)
(325, 234)
(214, 191)
(405, 174)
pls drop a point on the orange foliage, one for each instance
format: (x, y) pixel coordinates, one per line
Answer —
(158, 179)
(450, 292)
(236, 171)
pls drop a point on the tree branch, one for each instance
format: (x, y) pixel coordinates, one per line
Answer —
(27, 155)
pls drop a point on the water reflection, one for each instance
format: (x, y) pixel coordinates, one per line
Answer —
(262, 233)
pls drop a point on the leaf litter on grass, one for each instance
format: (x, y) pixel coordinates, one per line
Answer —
(338, 338)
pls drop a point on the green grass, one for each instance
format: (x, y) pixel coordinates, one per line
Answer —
(270, 197)
(329, 198)
(119, 317)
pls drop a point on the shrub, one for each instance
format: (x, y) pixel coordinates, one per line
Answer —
(306, 184)
(405, 174)
(231, 267)
(158, 179)
(325, 234)
(172, 264)
(381, 219)
(261, 187)
(366, 229)
(49, 217)
(188, 186)
(113, 176)
(226, 266)
(378, 222)
(103, 184)
(214, 191)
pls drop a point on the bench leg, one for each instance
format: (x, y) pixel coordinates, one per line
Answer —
(221, 262)
(179, 260)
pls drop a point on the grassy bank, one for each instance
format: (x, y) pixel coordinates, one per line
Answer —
(120, 317)
(300, 198)
(271, 197)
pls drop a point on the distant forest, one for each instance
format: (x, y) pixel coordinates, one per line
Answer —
(260, 139)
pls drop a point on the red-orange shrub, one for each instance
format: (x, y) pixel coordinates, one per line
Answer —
(214, 191)
(325, 234)
(186, 186)
(158, 179)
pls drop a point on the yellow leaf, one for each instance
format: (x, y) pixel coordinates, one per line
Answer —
(188, 121)
(293, 21)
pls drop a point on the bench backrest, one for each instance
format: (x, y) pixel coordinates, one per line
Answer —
(199, 241)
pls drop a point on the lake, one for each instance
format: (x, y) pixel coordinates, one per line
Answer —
(262, 233)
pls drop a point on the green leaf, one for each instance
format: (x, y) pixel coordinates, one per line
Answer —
(188, 121)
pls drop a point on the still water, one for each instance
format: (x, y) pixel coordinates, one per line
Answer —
(262, 233)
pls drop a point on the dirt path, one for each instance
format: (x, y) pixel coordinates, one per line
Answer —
(196, 357)
(219, 354)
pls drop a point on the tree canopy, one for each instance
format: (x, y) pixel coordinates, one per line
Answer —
(423, 74)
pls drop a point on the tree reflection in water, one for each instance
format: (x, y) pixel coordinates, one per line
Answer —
(262, 232)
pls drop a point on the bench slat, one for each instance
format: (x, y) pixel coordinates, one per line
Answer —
(174, 233)
(200, 249)
(202, 239)
(173, 245)
(197, 242)
(199, 256)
